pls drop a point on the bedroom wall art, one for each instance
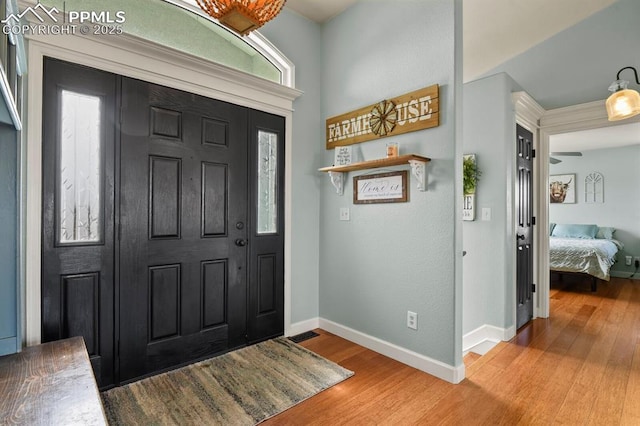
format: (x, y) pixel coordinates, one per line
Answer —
(562, 189)
(594, 188)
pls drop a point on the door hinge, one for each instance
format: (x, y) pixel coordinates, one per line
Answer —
(533, 287)
(533, 153)
(533, 220)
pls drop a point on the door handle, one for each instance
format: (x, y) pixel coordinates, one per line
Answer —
(240, 242)
(520, 237)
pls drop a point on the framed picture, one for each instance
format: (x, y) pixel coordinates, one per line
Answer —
(343, 156)
(562, 189)
(380, 188)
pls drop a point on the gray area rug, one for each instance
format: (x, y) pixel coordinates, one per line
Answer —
(244, 387)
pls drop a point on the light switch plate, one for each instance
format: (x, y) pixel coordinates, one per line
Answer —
(486, 213)
(344, 213)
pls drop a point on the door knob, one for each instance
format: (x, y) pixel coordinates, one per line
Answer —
(241, 242)
(520, 237)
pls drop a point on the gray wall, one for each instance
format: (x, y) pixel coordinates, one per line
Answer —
(488, 132)
(390, 258)
(621, 207)
(299, 39)
(8, 240)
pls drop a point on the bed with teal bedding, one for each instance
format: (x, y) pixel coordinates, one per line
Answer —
(586, 249)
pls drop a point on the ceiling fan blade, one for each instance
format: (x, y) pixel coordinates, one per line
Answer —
(554, 160)
(567, 154)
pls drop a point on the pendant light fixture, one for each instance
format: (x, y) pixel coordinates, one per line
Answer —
(242, 16)
(623, 103)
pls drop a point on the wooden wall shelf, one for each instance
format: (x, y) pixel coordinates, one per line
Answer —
(376, 164)
(418, 169)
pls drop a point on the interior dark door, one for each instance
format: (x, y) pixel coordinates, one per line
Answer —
(524, 197)
(184, 233)
(78, 210)
(266, 283)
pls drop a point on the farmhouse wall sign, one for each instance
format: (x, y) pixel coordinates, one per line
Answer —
(413, 111)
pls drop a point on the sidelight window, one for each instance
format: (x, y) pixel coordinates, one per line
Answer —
(267, 182)
(80, 169)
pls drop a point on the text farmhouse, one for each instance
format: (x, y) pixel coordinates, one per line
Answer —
(408, 112)
(414, 111)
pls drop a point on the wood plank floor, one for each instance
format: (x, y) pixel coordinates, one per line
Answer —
(581, 366)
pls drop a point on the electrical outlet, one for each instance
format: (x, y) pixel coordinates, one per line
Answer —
(412, 320)
(627, 260)
(345, 214)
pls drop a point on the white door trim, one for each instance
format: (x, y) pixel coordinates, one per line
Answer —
(137, 58)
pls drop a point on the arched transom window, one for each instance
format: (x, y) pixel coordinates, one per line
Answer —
(183, 26)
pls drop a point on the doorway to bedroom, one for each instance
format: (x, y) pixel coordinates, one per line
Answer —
(594, 231)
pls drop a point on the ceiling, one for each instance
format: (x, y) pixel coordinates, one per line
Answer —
(607, 137)
(319, 10)
(486, 22)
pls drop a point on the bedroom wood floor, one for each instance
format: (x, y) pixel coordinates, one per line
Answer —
(581, 366)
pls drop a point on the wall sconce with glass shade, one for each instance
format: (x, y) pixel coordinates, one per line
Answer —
(623, 103)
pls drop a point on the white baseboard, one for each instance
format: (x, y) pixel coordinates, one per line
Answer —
(428, 365)
(302, 326)
(484, 338)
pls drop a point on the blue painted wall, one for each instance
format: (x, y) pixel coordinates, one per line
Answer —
(8, 239)
(489, 132)
(365, 274)
(391, 258)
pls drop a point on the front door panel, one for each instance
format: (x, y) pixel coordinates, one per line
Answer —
(266, 283)
(183, 277)
(78, 210)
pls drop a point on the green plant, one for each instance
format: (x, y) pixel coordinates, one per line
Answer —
(470, 174)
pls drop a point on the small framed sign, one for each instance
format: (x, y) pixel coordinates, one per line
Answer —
(343, 156)
(469, 207)
(380, 188)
